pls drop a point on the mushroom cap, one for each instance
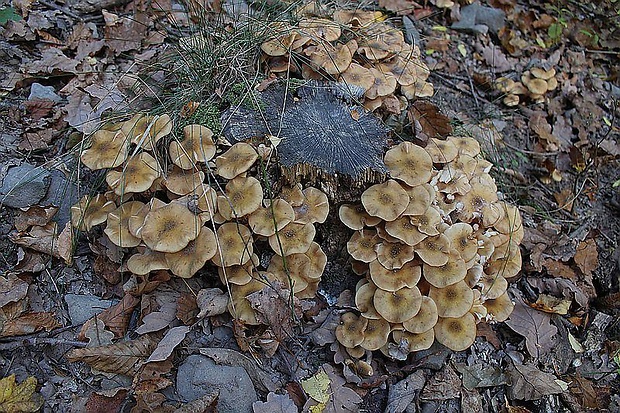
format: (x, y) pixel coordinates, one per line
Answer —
(350, 332)
(355, 216)
(146, 130)
(393, 255)
(500, 308)
(194, 256)
(541, 73)
(462, 240)
(358, 75)
(181, 182)
(267, 220)
(137, 175)
(384, 84)
(239, 274)
(427, 222)
(420, 199)
(376, 334)
(357, 18)
(279, 46)
(198, 146)
(136, 221)
(362, 245)
(409, 163)
(294, 195)
(244, 195)
(536, 86)
(117, 227)
(507, 263)
(457, 334)
(386, 200)
(205, 199)
(492, 286)
(441, 151)
(356, 352)
(91, 211)
(452, 271)
(415, 342)
(398, 306)
(238, 159)
(333, 59)
(391, 280)
(477, 203)
(235, 246)
(314, 207)
(453, 182)
(511, 222)
(293, 239)
(420, 89)
(465, 145)
(147, 261)
(292, 270)
(318, 261)
(403, 70)
(108, 149)
(465, 164)
(453, 300)
(403, 229)
(320, 29)
(170, 228)
(239, 307)
(435, 250)
(425, 319)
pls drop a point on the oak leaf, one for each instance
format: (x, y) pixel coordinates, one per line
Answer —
(529, 383)
(535, 326)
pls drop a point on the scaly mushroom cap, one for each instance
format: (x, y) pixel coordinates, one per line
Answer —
(181, 182)
(194, 256)
(464, 164)
(292, 269)
(457, 334)
(435, 250)
(404, 230)
(146, 130)
(355, 216)
(358, 76)
(239, 274)
(452, 271)
(198, 146)
(240, 307)
(500, 308)
(293, 239)
(462, 240)
(235, 245)
(420, 199)
(453, 300)
(318, 261)
(314, 208)
(441, 151)
(144, 263)
(409, 163)
(415, 342)
(425, 319)
(398, 306)
(364, 296)
(91, 211)
(391, 280)
(465, 145)
(244, 195)
(376, 334)
(137, 175)
(117, 227)
(170, 228)
(108, 149)
(386, 200)
(267, 220)
(350, 332)
(492, 286)
(393, 255)
(478, 202)
(362, 245)
(238, 159)
(453, 182)
(427, 222)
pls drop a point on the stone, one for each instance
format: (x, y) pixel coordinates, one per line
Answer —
(63, 192)
(40, 92)
(480, 19)
(199, 375)
(83, 307)
(24, 185)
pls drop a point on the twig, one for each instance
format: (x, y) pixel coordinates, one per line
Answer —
(36, 341)
(61, 9)
(457, 88)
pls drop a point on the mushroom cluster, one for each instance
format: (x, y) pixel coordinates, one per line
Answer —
(354, 47)
(199, 209)
(435, 246)
(534, 84)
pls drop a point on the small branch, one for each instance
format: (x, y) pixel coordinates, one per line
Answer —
(37, 341)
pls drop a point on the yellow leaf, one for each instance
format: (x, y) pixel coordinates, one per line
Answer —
(462, 49)
(21, 398)
(317, 386)
(319, 408)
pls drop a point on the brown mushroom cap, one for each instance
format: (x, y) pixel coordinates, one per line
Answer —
(398, 306)
(108, 149)
(278, 213)
(393, 255)
(386, 200)
(198, 146)
(427, 222)
(435, 250)
(280, 45)
(462, 240)
(420, 199)
(235, 245)
(137, 175)
(293, 195)
(356, 352)
(170, 228)
(500, 308)
(364, 296)
(404, 230)
(384, 84)
(358, 75)
(465, 145)
(391, 280)
(314, 208)
(320, 29)
(244, 195)
(350, 332)
(479, 202)
(409, 163)
(239, 307)
(333, 59)
(181, 182)
(355, 216)
(452, 271)
(453, 300)
(293, 239)
(492, 286)
(415, 342)
(376, 334)
(194, 256)
(292, 270)
(420, 89)
(238, 159)
(457, 334)
(507, 262)
(425, 319)
(357, 18)
(465, 164)
(136, 221)
(146, 130)
(147, 261)
(362, 245)
(318, 261)
(239, 274)
(117, 227)
(441, 151)
(91, 211)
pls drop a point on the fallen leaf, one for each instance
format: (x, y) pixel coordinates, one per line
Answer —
(97, 335)
(52, 61)
(400, 7)
(481, 375)
(115, 318)
(19, 397)
(534, 325)
(341, 398)
(211, 301)
(12, 289)
(34, 215)
(529, 383)
(401, 394)
(48, 240)
(273, 308)
(586, 256)
(433, 122)
(28, 323)
(164, 302)
(102, 403)
(495, 58)
(317, 386)
(166, 346)
(204, 404)
(276, 403)
(565, 199)
(150, 378)
(444, 385)
(551, 304)
(187, 309)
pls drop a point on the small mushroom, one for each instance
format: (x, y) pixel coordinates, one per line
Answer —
(457, 334)
(364, 296)
(453, 300)
(452, 271)
(425, 319)
(267, 220)
(181, 182)
(386, 200)
(384, 84)
(332, 59)
(146, 130)
(239, 307)
(318, 261)
(404, 230)
(391, 280)
(362, 245)
(465, 145)
(320, 29)
(293, 195)
(376, 334)
(358, 76)
(108, 149)
(147, 261)
(441, 151)
(350, 332)
(415, 342)
(136, 175)
(292, 270)
(355, 217)
(434, 251)
(492, 286)
(292, 239)
(398, 306)
(91, 211)
(420, 198)
(238, 159)
(462, 240)
(197, 146)
(239, 274)
(136, 221)
(117, 227)
(409, 163)
(235, 246)
(170, 228)
(194, 256)
(314, 207)
(427, 222)
(500, 308)
(243, 195)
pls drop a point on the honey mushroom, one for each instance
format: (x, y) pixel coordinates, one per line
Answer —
(273, 217)
(362, 245)
(136, 175)
(292, 239)
(188, 261)
(355, 216)
(391, 280)
(197, 146)
(397, 306)
(409, 163)
(91, 211)
(108, 149)
(386, 201)
(146, 130)
(235, 245)
(457, 334)
(425, 319)
(453, 300)
(238, 274)
(170, 228)
(243, 195)
(238, 159)
(117, 226)
(350, 332)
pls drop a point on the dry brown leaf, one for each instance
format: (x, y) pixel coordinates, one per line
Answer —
(12, 289)
(97, 335)
(586, 256)
(101, 403)
(433, 122)
(29, 323)
(534, 325)
(166, 346)
(144, 284)
(48, 240)
(164, 302)
(551, 304)
(276, 403)
(205, 404)
(274, 307)
(529, 383)
(116, 318)
(565, 199)
(150, 378)
(19, 398)
(187, 309)
(400, 7)
(539, 124)
(211, 301)
(125, 357)
(35, 215)
(444, 385)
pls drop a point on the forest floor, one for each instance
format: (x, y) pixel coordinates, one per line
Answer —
(64, 66)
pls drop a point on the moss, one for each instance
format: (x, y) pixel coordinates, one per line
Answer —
(241, 95)
(207, 114)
